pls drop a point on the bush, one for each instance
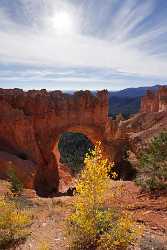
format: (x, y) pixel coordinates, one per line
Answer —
(92, 225)
(14, 223)
(16, 185)
(153, 162)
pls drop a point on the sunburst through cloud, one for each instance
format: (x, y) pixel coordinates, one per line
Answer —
(82, 44)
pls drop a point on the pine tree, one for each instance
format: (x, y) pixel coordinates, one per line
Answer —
(153, 162)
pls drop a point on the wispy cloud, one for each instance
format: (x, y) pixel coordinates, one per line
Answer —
(110, 36)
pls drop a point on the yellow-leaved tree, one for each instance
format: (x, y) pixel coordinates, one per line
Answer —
(92, 225)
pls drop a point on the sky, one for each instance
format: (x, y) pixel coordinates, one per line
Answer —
(82, 44)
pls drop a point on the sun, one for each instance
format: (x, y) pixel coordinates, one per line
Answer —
(63, 23)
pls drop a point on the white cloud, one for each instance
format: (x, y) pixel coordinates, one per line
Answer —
(128, 17)
(42, 46)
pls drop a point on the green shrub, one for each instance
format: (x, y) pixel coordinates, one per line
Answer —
(153, 162)
(14, 223)
(16, 185)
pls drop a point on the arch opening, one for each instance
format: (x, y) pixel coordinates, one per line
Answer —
(73, 147)
(69, 151)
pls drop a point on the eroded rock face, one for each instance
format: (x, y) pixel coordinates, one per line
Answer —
(148, 123)
(155, 102)
(25, 169)
(32, 122)
(142, 127)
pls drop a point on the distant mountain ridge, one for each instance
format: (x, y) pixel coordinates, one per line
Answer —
(134, 92)
(127, 101)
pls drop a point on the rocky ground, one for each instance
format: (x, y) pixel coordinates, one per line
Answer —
(49, 215)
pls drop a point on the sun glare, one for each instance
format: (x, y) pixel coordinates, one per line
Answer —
(63, 23)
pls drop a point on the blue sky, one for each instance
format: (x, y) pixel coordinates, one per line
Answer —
(82, 44)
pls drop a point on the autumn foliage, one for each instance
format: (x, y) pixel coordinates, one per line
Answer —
(14, 223)
(92, 225)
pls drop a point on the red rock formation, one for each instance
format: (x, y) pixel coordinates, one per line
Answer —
(32, 122)
(25, 169)
(155, 102)
(163, 99)
(151, 120)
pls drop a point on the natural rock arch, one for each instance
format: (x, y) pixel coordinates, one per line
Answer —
(36, 119)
